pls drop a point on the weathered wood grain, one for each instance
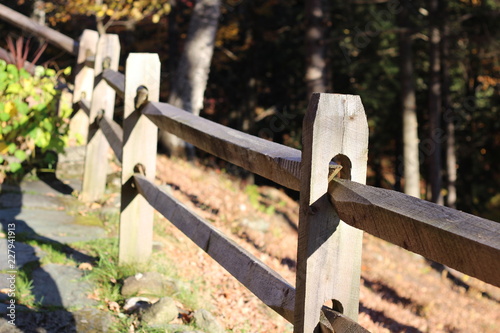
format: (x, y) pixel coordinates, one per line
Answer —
(52, 36)
(114, 134)
(266, 284)
(84, 83)
(329, 251)
(103, 102)
(140, 138)
(116, 80)
(276, 162)
(459, 240)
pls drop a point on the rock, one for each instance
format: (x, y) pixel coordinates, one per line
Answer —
(256, 224)
(60, 285)
(161, 313)
(24, 254)
(92, 320)
(149, 284)
(207, 322)
(5, 327)
(46, 321)
(136, 304)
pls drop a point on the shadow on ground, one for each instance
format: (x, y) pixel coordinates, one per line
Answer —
(35, 222)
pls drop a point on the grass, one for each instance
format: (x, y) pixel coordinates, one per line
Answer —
(24, 284)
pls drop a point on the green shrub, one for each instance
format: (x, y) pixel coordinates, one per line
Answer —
(32, 119)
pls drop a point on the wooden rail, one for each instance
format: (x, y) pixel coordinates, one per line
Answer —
(276, 162)
(462, 241)
(331, 203)
(54, 37)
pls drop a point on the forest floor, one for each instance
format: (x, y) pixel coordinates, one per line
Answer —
(400, 291)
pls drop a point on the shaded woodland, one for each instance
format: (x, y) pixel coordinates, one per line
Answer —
(428, 73)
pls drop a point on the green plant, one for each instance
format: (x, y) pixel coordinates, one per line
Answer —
(24, 285)
(32, 120)
(254, 197)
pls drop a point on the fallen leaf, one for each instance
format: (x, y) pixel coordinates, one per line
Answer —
(113, 306)
(94, 295)
(95, 205)
(85, 266)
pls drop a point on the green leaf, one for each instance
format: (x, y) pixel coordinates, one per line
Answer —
(3, 65)
(12, 70)
(39, 71)
(15, 166)
(7, 129)
(23, 73)
(4, 116)
(12, 148)
(1, 159)
(67, 71)
(47, 125)
(20, 155)
(14, 88)
(22, 107)
(50, 72)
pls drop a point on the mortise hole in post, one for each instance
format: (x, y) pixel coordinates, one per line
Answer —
(106, 63)
(335, 305)
(141, 97)
(140, 168)
(345, 162)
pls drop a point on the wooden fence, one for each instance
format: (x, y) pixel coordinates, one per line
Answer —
(335, 205)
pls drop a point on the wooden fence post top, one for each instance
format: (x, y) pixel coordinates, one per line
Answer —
(326, 118)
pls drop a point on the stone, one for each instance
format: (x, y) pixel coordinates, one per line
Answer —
(49, 225)
(207, 322)
(61, 285)
(24, 254)
(46, 321)
(256, 224)
(136, 304)
(5, 327)
(90, 320)
(149, 284)
(161, 313)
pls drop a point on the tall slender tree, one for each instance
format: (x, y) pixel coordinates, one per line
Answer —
(316, 79)
(435, 133)
(451, 158)
(190, 80)
(409, 107)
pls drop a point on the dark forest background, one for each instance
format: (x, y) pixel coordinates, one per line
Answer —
(373, 48)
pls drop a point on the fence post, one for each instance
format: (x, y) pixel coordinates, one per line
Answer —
(140, 136)
(103, 102)
(329, 251)
(84, 84)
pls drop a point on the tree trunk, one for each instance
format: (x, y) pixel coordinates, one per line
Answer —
(411, 165)
(435, 104)
(451, 158)
(191, 76)
(315, 47)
